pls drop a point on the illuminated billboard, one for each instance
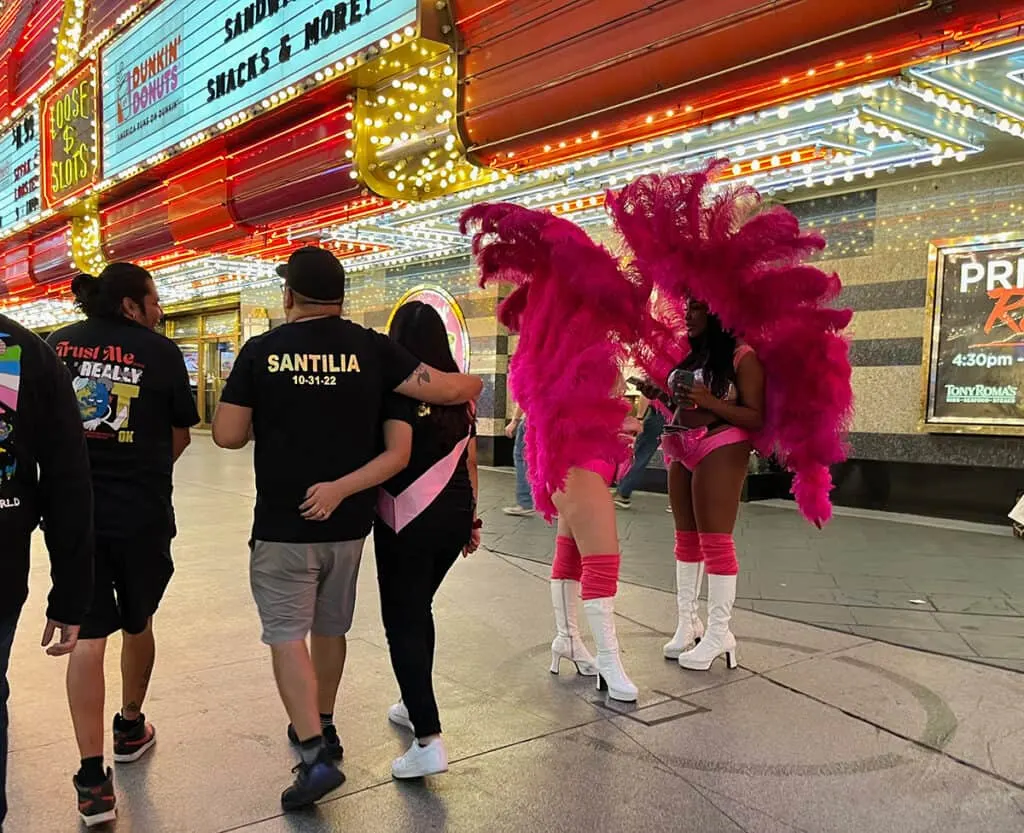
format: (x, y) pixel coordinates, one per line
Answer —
(974, 365)
(190, 64)
(19, 170)
(69, 153)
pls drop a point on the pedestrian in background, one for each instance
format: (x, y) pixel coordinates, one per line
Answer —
(643, 452)
(516, 430)
(44, 475)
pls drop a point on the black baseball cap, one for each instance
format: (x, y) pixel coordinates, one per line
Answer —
(315, 274)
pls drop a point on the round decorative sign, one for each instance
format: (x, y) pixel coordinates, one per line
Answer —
(451, 314)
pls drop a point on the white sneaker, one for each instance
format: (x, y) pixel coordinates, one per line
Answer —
(421, 761)
(399, 715)
(519, 511)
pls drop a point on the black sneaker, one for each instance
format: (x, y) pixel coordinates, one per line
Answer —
(132, 740)
(97, 805)
(312, 782)
(332, 743)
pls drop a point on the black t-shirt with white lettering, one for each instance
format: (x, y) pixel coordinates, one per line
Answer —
(132, 389)
(316, 389)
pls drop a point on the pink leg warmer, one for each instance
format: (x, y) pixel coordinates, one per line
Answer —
(567, 564)
(688, 547)
(719, 553)
(600, 576)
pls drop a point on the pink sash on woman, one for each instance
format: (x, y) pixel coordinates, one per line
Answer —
(399, 512)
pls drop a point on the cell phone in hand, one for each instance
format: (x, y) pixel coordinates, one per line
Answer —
(680, 380)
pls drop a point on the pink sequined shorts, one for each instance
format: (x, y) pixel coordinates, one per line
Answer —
(690, 447)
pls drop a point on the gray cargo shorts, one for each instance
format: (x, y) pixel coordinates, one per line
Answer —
(300, 588)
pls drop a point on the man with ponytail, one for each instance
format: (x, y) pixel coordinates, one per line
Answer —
(136, 405)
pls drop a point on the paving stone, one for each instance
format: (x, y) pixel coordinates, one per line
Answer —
(936, 641)
(972, 604)
(806, 612)
(1005, 647)
(967, 624)
(888, 618)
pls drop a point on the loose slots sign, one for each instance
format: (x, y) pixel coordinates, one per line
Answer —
(69, 137)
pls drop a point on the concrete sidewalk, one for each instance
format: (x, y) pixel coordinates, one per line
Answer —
(954, 590)
(817, 731)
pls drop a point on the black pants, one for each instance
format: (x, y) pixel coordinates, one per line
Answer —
(410, 568)
(7, 627)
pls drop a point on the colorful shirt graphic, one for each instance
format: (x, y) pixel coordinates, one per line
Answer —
(106, 383)
(131, 391)
(10, 381)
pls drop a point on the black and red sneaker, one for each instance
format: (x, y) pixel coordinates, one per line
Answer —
(132, 739)
(97, 805)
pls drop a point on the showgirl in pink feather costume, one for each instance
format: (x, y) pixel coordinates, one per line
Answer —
(762, 363)
(575, 313)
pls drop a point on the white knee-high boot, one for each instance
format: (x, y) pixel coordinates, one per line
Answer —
(690, 630)
(718, 639)
(568, 644)
(611, 674)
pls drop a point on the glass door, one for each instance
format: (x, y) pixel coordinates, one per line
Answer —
(218, 359)
(209, 345)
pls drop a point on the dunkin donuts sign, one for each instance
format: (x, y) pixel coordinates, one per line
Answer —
(149, 83)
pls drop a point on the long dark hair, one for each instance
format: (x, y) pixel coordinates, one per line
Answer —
(712, 352)
(419, 329)
(103, 296)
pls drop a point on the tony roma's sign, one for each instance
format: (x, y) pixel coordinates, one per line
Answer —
(19, 170)
(68, 117)
(975, 343)
(190, 64)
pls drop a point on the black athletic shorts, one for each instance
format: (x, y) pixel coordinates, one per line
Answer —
(131, 577)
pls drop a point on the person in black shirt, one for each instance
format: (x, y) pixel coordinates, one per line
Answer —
(136, 405)
(44, 474)
(311, 391)
(426, 518)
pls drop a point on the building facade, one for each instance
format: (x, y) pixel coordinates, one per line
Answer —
(206, 140)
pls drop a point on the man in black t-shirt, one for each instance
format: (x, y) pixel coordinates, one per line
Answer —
(312, 392)
(44, 474)
(136, 405)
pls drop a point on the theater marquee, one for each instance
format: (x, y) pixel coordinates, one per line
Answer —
(974, 346)
(189, 65)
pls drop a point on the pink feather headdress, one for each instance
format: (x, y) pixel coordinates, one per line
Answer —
(747, 264)
(574, 311)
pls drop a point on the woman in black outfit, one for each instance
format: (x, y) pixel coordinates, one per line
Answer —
(426, 519)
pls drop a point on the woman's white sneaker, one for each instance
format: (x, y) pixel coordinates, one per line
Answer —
(421, 761)
(399, 715)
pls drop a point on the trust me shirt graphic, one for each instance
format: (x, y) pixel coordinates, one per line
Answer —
(132, 390)
(106, 384)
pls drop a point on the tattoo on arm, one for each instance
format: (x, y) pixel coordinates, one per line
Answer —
(421, 375)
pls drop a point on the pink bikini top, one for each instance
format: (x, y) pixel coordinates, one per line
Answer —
(740, 353)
